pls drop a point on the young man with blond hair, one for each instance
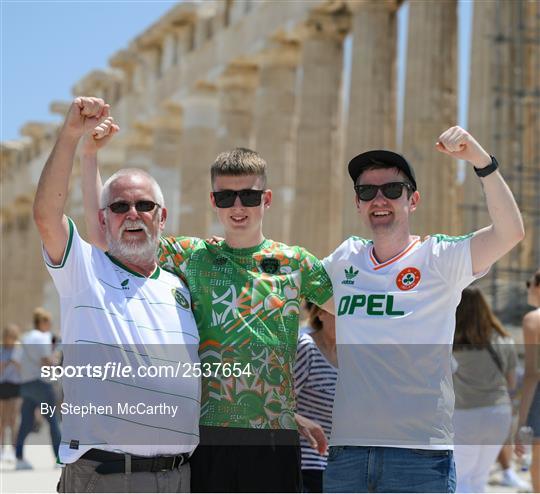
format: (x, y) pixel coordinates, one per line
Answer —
(246, 293)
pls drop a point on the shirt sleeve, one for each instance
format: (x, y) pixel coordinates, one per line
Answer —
(74, 271)
(174, 253)
(316, 284)
(452, 259)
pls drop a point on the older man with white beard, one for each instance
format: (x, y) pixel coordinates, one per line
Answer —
(118, 307)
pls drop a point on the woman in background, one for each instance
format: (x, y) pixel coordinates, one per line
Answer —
(529, 412)
(486, 362)
(315, 384)
(9, 390)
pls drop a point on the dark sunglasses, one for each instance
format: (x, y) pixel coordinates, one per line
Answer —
(122, 207)
(391, 190)
(248, 197)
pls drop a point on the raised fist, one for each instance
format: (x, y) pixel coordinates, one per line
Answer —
(85, 114)
(100, 136)
(459, 144)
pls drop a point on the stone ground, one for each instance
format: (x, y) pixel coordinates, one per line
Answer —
(45, 475)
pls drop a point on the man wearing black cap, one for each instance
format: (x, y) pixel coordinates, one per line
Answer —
(395, 298)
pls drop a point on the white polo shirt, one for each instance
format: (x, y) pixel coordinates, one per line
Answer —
(113, 315)
(395, 323)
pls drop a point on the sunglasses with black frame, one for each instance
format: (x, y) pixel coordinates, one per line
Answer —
(390, 190)
(122, 207)
(248, 197)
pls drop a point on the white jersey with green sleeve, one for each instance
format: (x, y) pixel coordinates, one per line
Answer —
(395, 323)
(111, 315)
(247, 305)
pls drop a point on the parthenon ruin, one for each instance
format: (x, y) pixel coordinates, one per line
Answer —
(270, 75)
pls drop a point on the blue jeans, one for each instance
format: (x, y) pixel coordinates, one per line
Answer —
(379, 469)
(34, 393)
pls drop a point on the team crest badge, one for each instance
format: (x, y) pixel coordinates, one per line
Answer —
(220, 261)
(408, 278)
(270, 265)
(180, 299)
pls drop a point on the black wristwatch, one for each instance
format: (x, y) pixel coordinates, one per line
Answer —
(487, 170)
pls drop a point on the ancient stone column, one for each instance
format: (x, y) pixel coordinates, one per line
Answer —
(197, 153)
(372, 96)
(530, 113)
(9, 244)
(23, 292)
(139, 145)
(317, 220)
(430, 108)
(236, 88)
(504, 116)
(132, 101)
(167, 160)
(275, 130)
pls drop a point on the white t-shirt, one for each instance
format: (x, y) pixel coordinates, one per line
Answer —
(394, 330)
(34, 346)
(111, 314)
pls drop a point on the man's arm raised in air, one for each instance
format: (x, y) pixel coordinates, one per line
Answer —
(92, 185)
(488, 244)
(85, 115)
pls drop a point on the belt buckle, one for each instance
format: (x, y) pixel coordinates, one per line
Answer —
(157, 465)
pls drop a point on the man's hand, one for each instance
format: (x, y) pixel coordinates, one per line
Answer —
(214, 240)
(488, 244)
(459, 144)
(313, 433)
(100, 136)
(85, 114)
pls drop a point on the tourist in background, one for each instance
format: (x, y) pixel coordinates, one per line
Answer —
(315, 375)
(486, 362)
(529, 412)
(36, 350)
(9, 390)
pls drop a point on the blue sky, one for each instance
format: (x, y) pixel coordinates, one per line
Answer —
(46, 47)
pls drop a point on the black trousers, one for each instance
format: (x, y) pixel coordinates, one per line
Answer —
(312, 480)
(231, 459)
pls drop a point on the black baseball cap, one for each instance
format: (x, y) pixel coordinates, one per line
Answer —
(380, 156)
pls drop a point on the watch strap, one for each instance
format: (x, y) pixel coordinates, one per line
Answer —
(487, 170)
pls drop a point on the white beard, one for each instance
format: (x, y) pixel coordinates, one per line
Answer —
(134, 252)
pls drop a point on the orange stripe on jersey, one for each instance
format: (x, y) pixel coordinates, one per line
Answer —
(394, 259)
(213, 343)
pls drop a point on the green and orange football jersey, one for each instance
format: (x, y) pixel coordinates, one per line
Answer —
(247, 305)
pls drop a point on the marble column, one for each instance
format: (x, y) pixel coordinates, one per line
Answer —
(198, 152)
(167, 160)
(431, 108)
(372, 97)
(139, 143)
(319, 170)
(274, 133)
(236, 92)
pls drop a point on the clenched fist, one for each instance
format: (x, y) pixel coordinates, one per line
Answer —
(85, 114)
(99, 136)
(459, 144)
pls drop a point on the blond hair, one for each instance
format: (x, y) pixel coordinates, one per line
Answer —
(10, 332)
(40, 315)
(238, 162)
